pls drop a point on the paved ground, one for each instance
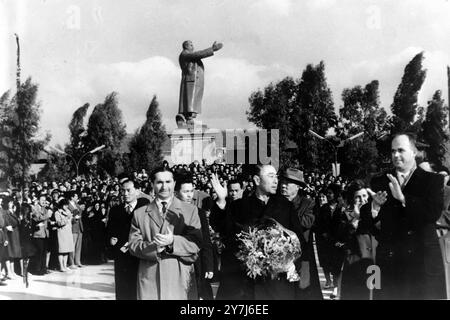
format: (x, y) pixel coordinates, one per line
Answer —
(90, 282)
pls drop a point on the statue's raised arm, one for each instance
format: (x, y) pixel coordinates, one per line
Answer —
(192, 80)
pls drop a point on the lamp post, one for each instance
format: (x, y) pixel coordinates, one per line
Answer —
(77, 163)
(335, 149)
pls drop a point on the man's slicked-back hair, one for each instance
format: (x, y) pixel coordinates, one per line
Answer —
(158, 170)
(183, 179)
(256, 169)
(411, 137)
(124, 178)
(236, 181)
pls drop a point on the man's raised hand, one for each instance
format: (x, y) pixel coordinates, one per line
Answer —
(396, 189)
(378, 198)
(220, 190)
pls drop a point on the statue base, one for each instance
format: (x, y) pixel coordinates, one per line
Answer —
(193, 141)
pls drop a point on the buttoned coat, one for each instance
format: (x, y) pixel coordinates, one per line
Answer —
(63, 220)
(125, 265)
(408, 252)
(192, 80)
(13, 249)
(77, 224)
(38, 215)
(166, 276)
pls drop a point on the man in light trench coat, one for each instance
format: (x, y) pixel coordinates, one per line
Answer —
(166, 236)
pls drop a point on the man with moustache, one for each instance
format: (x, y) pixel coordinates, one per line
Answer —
(117, 230)
(406, 203)
(166, 236)
(230, 219)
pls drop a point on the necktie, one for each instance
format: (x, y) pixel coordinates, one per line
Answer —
(128, 208)
(401, 180)
(164, 207)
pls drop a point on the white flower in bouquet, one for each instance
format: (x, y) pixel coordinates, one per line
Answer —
(269, 250)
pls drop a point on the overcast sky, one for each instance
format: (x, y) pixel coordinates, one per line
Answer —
(80, 51)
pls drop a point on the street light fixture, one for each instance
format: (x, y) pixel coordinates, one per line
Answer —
(341, 144)
(77, 163)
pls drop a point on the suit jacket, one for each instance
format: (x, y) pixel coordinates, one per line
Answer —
(38, 215)
(77, 224)
(192, 80)
(168, 275)
(408, 251)
(118, 226)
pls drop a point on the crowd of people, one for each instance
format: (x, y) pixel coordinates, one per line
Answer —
(55, 227)
(172, 232)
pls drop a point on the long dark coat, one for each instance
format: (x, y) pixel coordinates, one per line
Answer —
(205, 262)
(2, 237)
(238, 215)
(26, 239)
(304, 208)
(408, 253)
(192, 80)
(13, 249)
(328, 233)
(125, 265)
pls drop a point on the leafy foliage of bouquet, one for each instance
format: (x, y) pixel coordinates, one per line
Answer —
(269, 249)
(216, 240)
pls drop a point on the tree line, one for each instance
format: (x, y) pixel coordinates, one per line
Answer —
(299, 106)
(294, 106)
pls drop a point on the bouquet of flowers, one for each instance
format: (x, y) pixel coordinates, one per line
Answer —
(269, 249)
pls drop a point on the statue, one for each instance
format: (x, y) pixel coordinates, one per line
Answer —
(192, 81)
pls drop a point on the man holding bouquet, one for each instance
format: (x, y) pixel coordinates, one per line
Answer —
(232, 218)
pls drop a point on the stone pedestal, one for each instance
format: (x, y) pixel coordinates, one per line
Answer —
(194, 143)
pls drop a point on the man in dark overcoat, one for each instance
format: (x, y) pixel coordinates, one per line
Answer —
(291, 182)
(406, 203)
(231, 218)
(118, 230)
